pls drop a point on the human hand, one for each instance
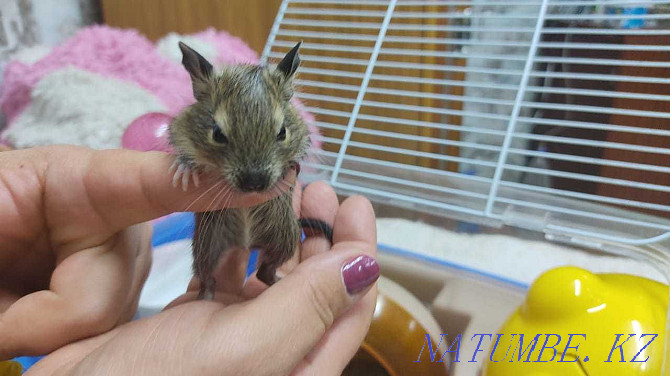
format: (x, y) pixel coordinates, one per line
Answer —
(74, 251)
(307, 323)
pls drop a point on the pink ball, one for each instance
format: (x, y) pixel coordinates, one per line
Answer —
(148, 132)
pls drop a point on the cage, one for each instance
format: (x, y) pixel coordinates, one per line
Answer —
(537, 118)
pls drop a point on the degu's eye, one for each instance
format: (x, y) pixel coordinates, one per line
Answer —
(218, 136)
(281, 136)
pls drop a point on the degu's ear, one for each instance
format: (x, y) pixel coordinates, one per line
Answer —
(200, 70)
(285, 71)
(290, 62)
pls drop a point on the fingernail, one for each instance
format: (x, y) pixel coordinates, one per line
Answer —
(360, 273)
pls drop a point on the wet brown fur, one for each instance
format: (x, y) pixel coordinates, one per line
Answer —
(250, 104)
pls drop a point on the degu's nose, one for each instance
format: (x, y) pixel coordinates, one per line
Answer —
(253, 180)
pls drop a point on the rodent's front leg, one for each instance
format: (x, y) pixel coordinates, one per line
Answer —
(216, 233)
(276, 231)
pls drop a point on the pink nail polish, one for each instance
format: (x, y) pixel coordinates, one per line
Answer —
(360, 273)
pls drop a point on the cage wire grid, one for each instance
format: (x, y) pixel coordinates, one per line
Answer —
(544, 114)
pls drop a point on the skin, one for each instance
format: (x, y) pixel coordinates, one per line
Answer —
(73, 244)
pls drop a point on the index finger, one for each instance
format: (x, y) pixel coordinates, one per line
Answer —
(126, 187)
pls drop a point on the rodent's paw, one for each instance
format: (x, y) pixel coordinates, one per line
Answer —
(292, 165)
(183, 174)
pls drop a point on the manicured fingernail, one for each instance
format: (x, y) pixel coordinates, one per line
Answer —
(360, 273)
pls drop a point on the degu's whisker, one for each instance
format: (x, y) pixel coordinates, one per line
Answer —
(218, 184)
(207, 218)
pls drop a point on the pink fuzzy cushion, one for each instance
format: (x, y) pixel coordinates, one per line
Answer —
(125, 55)
(121, 54)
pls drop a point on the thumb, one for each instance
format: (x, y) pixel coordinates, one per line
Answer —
(298, 310)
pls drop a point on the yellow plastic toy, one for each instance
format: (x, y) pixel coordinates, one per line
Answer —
(10, 368)
(598, 324)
